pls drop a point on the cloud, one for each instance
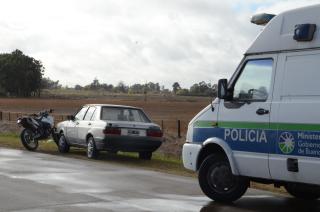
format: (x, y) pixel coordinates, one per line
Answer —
(134, 41)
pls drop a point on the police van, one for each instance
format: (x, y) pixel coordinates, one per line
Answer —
(264, 126)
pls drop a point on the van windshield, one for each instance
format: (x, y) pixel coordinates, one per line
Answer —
(123, 114)
(254, 81)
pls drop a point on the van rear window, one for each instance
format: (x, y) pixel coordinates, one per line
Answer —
(123, 114)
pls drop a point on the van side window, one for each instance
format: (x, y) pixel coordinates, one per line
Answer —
(301, 75)
(254, 82)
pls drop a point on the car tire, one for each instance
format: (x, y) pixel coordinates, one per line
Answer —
(217, 181)
(145, 155)
(301, 191)
(92, 151)
(63, 145)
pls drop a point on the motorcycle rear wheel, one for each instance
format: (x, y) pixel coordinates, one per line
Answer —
(28, 140)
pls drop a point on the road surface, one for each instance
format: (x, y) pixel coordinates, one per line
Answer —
(40, 182)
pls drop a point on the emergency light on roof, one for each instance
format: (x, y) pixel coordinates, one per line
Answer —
(261, 19)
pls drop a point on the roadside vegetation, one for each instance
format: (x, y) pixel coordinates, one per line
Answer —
(160, 162)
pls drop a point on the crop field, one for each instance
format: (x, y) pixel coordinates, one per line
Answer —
(164, 110)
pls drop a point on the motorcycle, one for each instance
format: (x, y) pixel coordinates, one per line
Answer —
(37, 127)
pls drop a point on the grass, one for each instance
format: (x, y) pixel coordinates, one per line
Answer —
(159, 162)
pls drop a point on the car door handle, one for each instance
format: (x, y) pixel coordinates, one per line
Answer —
(77, 123)
(262, 111)
(89, 124)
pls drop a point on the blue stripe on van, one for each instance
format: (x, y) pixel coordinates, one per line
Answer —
(300, 143)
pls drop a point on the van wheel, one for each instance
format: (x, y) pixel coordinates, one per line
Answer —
(217, 181)
(63, 146)
(303, 191)
(145, 155)
(92, 151)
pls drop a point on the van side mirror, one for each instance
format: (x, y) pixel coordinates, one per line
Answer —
(71, 118)
(222, 88)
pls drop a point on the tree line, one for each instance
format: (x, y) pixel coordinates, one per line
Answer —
(22, 76)
(197, 89)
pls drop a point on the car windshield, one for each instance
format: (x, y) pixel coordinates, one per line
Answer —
(123, 114)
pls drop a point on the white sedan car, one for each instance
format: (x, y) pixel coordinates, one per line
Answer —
(111, 128)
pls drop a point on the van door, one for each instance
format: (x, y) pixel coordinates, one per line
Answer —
(246, 116)
(296, 152)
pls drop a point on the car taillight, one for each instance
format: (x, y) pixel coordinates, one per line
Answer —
(112, 131)
(154, 133)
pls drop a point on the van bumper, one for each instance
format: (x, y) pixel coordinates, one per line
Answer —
(190, 154)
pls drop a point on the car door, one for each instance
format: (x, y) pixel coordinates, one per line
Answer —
(245, 117)
(84, 126)
(296, 151)
(72, 127)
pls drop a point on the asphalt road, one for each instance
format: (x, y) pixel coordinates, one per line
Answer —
(40, 182)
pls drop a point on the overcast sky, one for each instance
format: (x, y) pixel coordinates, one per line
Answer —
(135, 41)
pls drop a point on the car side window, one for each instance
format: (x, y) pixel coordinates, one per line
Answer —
(81, 113)
(89, 113)
(93, 117)
(254, 82)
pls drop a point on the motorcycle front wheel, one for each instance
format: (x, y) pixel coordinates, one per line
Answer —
(28, 140)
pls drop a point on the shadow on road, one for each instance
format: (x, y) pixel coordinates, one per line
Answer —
(274, 204)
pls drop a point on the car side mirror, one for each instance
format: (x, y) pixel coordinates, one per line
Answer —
(222, 88)
(71, 118)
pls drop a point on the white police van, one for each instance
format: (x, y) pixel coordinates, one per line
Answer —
(265, 124)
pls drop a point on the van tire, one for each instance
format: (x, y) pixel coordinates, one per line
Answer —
(217, 168)
(301, 191)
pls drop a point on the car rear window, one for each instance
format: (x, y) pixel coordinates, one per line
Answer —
(123, 114)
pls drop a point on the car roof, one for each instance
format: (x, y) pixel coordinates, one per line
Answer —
(112, 105)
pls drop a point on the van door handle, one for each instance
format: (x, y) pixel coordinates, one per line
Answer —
(262, 111)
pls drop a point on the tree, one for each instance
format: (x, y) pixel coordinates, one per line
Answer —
(175, 87)
(47, 83)
(95, 84)
(20, 75)
(78, 87)
(121, 88)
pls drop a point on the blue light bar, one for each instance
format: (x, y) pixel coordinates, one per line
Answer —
(261, 19)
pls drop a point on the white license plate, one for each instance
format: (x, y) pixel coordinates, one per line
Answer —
(133, 132)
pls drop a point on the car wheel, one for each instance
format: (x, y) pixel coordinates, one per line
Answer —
(217, 181)
(145, 155)
(63, 145)
(92, 151)
(303, 191)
